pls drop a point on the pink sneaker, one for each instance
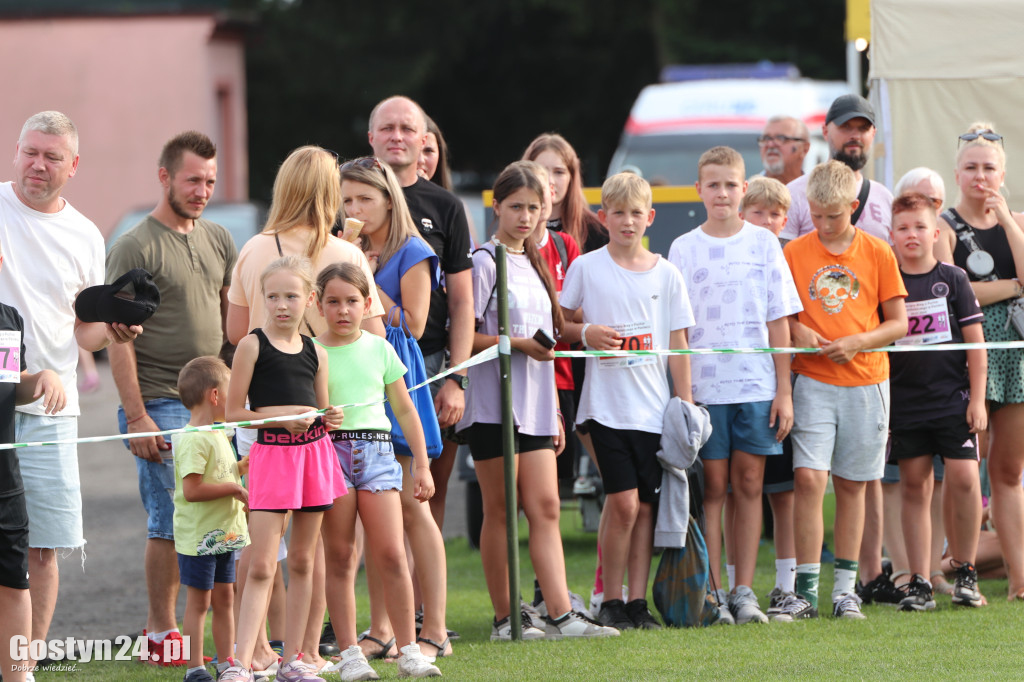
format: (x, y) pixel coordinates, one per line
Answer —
(296, 670)
(235, 673)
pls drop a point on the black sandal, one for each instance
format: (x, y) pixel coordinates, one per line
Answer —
(441, 648)
(385, 647)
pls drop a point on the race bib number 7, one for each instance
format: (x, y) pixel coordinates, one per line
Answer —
(927, 323)
(10, 356)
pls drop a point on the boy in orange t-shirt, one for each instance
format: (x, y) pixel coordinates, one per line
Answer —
(840, 396)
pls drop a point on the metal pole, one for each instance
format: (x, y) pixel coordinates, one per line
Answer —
(508, 444)
(853, 77)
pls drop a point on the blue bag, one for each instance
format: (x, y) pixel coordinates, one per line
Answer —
(680, 588)
(412, 357)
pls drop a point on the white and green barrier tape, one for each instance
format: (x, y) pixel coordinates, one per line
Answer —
(492, 353)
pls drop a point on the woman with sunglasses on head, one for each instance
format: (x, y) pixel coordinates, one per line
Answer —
(990, 247)
(405, 272)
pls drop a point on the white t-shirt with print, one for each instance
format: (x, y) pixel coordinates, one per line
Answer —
(49, 258)
(736, 284)
(876, 219)
(644, 307)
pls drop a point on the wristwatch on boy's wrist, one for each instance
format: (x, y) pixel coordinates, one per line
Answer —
(460, 380)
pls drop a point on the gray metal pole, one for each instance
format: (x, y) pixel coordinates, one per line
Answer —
(508, 444)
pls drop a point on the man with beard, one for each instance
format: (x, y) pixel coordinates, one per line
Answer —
(784, 143)
(191, 261)
(850, 131)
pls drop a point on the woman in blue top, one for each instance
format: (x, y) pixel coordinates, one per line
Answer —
(405, 272)
(405, 267)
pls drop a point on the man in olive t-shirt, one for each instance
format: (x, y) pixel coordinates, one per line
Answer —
(191, 262)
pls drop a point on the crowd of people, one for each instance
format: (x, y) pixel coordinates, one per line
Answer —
(366, 279)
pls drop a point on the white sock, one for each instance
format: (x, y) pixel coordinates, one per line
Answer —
(161, 636)
(730, 570)
(844, 581)
(785, 574)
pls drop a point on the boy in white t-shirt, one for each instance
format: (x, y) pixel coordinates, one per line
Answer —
(741, 292)
(631, 299)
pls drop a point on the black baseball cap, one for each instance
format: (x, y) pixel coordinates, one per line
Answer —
(112, 303)
(846, 107)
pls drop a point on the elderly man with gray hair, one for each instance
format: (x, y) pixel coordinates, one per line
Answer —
(784, 144)
(51, 253)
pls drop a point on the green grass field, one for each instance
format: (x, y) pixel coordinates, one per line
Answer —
(967, 644)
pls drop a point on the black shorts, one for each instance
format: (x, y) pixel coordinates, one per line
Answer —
(13, 538)
(485, 440)
(315, 508)
(778, 470)
(949, 437)
(628, 460)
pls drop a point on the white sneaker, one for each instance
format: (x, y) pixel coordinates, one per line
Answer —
(412, 663)
(501, 630)
(724, 614)
(540, 609)
(297, 670)
(353, 666)
(744, 606)
(575, 624)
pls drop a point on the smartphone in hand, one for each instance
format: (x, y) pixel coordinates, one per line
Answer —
(544, 339)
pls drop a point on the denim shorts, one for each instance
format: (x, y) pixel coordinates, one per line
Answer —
(156, 480)
(368, 464)
(740, 426)
(201, 572)
(53, 491)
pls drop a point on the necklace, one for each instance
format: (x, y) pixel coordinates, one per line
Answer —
(514, 252)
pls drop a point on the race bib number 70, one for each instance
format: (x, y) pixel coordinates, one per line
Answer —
(635, 336)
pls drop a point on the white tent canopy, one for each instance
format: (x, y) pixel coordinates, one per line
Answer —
(936, 67)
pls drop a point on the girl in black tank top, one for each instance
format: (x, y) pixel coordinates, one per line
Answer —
(292, 466)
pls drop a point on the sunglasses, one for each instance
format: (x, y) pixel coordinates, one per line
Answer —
(984, 134)
(365, 162)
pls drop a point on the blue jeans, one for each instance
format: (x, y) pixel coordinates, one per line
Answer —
(156, 479)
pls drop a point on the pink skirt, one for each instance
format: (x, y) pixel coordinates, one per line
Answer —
(285, 475)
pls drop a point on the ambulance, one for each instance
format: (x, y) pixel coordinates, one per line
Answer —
(671, 124)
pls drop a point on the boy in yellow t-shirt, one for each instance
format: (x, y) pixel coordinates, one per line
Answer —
(209, 512)
(840, 395)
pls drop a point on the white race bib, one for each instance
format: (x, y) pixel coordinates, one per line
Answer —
(927, 323)
(10, 356)
(635, 336)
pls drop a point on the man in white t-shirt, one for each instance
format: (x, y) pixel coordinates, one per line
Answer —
(850, 132)
(51, 253)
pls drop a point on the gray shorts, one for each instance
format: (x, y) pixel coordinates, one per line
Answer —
(842, 429)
